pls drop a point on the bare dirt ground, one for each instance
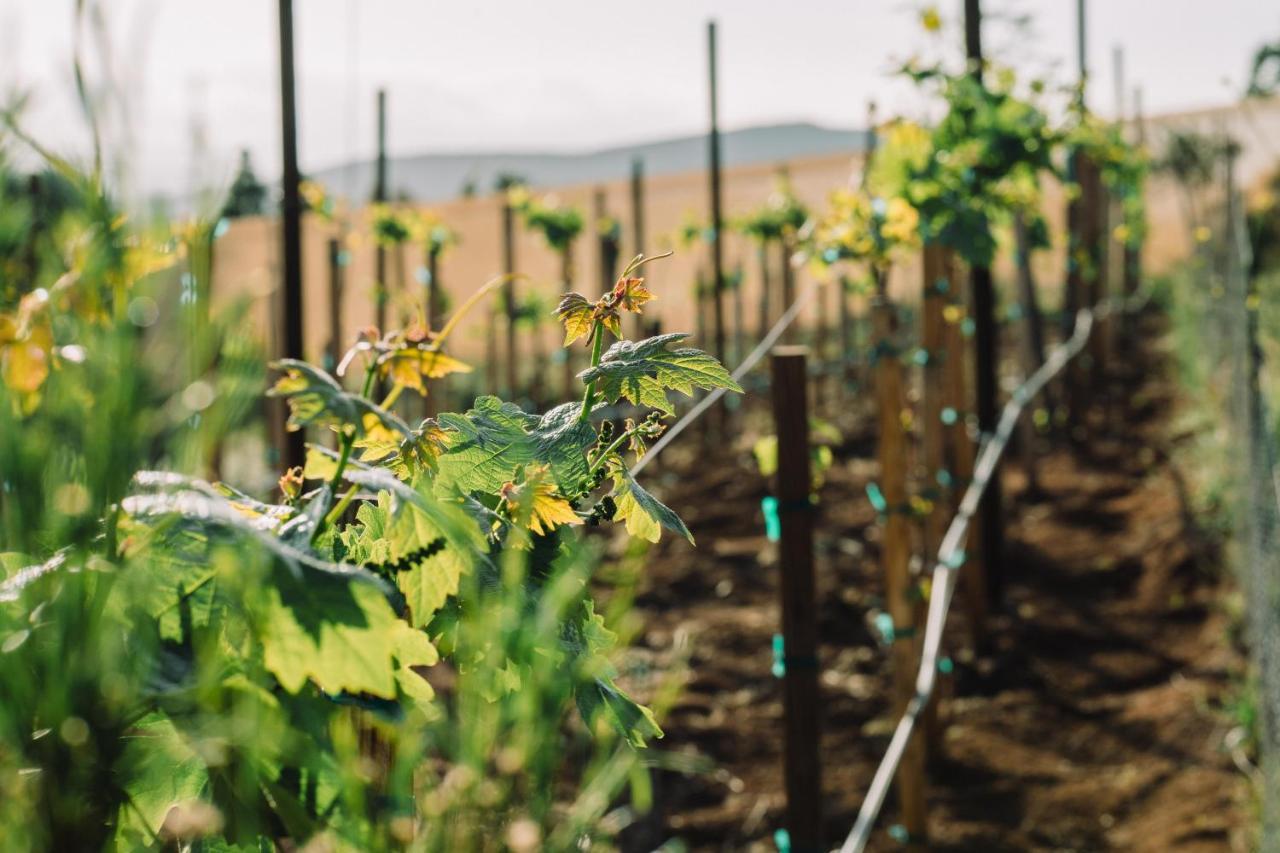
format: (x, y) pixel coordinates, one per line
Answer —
(1094, 722)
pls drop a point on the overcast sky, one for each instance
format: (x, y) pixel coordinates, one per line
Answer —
(491, 75)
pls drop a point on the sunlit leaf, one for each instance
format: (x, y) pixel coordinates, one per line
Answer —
(316, 399)
(486, 445)
(577, 315)
(643, 514)
(644, 371)
(336, 632)
(535, 504)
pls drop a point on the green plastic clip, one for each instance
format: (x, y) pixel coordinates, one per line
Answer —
(884, 624)
(944, 478)
(945, 666)
(954, 560)
(967, 327)
(949, 416)
(899, 833)
(877, 498)
(782, 840)
(772, 524)
(779, 668)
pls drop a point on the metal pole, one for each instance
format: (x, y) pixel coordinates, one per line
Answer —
(380, 196)
(985, 349)
(717, 249)
(294, 451)
(1081, 51)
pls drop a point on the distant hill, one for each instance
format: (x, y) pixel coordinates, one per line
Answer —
(439, 177)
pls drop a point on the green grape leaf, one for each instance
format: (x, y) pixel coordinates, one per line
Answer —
(413, 648)
(181, 512)
(644, 514)
(561, 439)
(644, 371)
(485, 446)
(316, 399)
(336, 632)
(429, 544)
(159, 770)
(591, 643)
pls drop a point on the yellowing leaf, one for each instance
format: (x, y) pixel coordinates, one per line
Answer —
(536, 504)
(630, 294)
(644, 515)
(409, 365)
(577, 315)
(25, 366)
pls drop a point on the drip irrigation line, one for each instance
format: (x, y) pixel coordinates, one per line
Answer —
(752, 359)
(950, 558)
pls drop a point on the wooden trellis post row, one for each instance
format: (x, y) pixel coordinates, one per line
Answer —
(895, 555)
(798, 663)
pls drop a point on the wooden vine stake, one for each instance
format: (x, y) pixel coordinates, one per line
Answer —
(637, 225)
(1092, 226)
(896, 554)
(1132, 245)
(335, 302)
(569, 375)
(799, 663)
(959, 452)
(434, 313)
(509, 291)
(936, 286)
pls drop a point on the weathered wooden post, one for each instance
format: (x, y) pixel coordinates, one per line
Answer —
(380, 197)
(435, 317)
(798, 668)
(568, 374)
(766, 320)
(936, 287)
(509, 291)
(334, 350)
(788, 275)
(895, 556)
(959, 450)
(1032, 341)
(608, 236)
(1133, 245)
(637, 224)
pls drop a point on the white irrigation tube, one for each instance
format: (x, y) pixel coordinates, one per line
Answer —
(753, 357)
(950, 558)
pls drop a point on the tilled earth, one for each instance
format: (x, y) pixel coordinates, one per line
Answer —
(1095, 720)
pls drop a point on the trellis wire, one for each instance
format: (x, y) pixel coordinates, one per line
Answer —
(949, 559)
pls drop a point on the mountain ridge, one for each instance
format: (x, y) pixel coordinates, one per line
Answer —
(441, 176)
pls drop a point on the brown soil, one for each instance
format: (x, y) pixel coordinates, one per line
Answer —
(1095, 722)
